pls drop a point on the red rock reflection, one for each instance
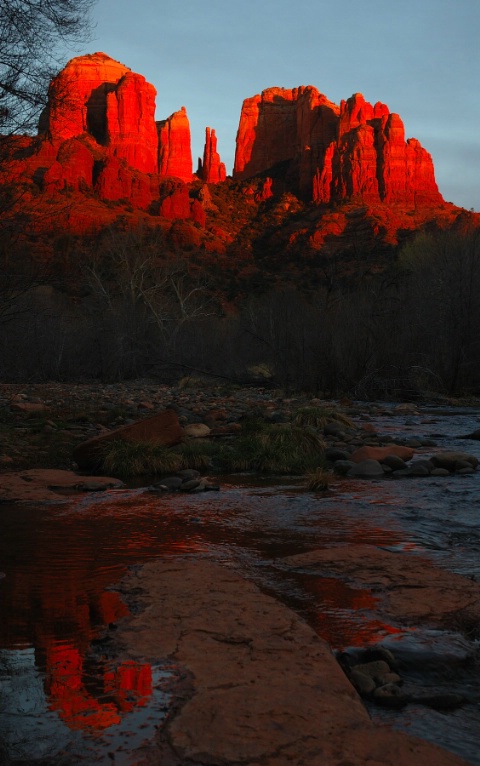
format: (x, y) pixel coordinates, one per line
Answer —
(345, 615)
(116, 691)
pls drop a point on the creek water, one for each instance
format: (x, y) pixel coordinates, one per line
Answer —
(64, 701)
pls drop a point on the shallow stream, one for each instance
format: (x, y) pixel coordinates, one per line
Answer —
(61, 704)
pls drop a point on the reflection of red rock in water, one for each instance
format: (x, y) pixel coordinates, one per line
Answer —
(120, 690)
(343, 619)
(129, 678)
(129, 686)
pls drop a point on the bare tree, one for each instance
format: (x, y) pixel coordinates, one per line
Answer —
(34, 37)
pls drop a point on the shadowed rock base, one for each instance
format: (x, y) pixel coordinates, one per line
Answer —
(261, 688)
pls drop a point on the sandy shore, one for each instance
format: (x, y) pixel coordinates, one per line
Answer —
(260, 687)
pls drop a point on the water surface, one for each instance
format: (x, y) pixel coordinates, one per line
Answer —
(62, 698)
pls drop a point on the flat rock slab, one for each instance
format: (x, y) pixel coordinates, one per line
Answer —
(410, 587)
(40, 485)
(264, 689)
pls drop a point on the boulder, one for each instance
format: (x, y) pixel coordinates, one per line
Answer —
(367, 469)
(453, 461)
(420, 468)
(161, 429)
(342, 467)
(380, 453)
(394, 462)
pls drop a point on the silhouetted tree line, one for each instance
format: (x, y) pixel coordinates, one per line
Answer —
(133, 309)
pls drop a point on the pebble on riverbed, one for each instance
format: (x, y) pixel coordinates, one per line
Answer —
(374, 674)
(390, 464)
(187, 480)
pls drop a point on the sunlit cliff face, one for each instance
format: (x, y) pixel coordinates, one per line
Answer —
(98, 134)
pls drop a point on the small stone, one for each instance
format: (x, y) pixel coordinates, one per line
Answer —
(391, 678)
(190, 485)
(363, 683)
(390, 695)
(367, 469)
(374, 668)
(420, 468)
(374, 653)
(170, 482)
(342, 467)
(446, 701)
(440, 472)
(334, 454)
(196, 430)
(449, 460)
(394, 462)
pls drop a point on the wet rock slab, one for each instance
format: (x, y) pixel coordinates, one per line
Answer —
(409, 586)
(45, 485)
(263, 687)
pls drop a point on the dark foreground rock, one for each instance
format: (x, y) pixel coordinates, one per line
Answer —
(261, 687)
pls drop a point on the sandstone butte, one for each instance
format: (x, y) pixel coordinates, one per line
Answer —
(332, 153)
(98, 140)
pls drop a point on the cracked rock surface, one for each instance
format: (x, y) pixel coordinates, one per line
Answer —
(260, 687)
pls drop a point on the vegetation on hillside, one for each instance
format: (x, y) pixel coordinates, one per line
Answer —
(369, 323)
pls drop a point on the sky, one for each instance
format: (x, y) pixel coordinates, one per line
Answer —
(420, 57)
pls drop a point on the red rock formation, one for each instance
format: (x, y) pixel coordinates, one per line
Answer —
(266, 134)
(265, 192)
(174, 147)
(112, 110)
(99, 134)
(131, 132)
(175, 205)
(73, 168)
(77, 97)
(357, 151)
(211, 170)
(116, 181)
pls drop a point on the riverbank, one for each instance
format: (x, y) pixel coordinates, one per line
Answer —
(259, 686)
(41, 423)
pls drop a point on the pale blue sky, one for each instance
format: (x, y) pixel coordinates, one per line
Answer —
(421, 57)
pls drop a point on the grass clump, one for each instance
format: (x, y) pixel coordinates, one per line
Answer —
(275, 449)
(198, 453)
(318, 480)
(123, 458)
(319, 417)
